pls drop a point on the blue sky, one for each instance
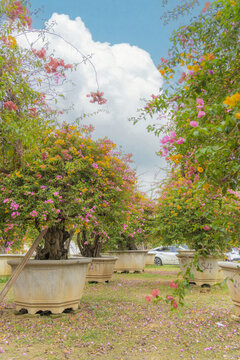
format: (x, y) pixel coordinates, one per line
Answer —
(136, 22)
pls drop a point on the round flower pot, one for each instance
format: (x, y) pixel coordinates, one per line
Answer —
(5, 269)
(129, 260)
(211, 273)
(149, 259)
(231, 271)
(101, 269)
(50, 285)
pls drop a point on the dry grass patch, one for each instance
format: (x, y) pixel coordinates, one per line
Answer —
(115, 323)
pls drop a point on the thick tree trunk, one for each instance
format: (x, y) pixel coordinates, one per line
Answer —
(54, 246)
(127, 244)
(3, 245)
(2, 250)
(87, 249)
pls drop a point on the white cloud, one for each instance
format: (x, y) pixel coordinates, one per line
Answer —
(126, 74)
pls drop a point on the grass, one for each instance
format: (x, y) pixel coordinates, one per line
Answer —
(114, 322)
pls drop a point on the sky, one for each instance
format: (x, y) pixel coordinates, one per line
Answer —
(126, 39)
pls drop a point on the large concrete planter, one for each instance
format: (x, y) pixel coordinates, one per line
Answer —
(129, 260)
(232, 271)
(211, 273)
(53, 285)
(149, 259)
(101, 269)
(5, 269)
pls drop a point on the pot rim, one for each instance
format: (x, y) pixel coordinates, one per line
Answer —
(51, 262)
(129, 251)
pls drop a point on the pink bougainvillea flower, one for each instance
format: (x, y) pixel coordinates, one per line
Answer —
(155, 292)
(170, 298)
(182, 78)
(33, 112)
(173, 285)
(34, 213)
(97, 97)
(193, 123)
(14, 214)
(206, 227)
(148, 298)
(200, 101)
(9, 105)
(164, 140)
(173, 134)
(201, 114)
(180, 141)
(40, 53)
(174, 304)
(165, 151)
(50, 201)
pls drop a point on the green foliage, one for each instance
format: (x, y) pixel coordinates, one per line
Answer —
(200, 217)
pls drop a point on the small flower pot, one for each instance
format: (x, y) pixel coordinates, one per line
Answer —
(101, 269)
(149, 259)
(129, 260)
(5, 269)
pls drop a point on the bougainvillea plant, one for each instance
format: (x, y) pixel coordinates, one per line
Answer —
(29, 78)
(71, 184)
(136, 231)
(196, 215)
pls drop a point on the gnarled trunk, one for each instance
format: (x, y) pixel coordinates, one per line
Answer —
(127, 243)
(87, 249)
(54, 246)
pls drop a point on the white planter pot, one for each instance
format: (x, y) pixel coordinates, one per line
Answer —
(231, 270)
(5, 269)
(101, 269)
(211, 273)
(129, 260)
(53, 285)
(149, 259)
(184, 258)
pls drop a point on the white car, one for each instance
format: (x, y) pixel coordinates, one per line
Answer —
(233, 255)
(165, 255)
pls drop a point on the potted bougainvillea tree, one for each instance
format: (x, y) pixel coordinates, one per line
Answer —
(26, 124)
(200, 217)
(115, 219)
(134, 233)
(70, 185)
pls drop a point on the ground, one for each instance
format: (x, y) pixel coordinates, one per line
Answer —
(115, 322)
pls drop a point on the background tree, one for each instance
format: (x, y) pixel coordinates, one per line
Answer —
(202, 101)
